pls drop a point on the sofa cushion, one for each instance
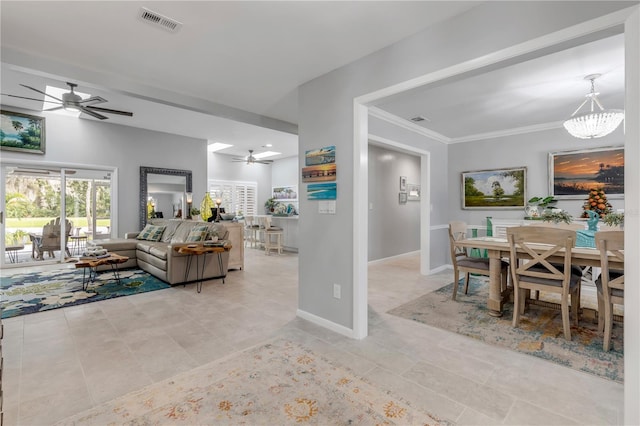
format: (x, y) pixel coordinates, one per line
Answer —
(151, 233)
(198, 233)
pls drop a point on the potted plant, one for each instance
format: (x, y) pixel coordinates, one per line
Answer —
(195, 212)
(270, 205)
(614, 219)
(537, 206)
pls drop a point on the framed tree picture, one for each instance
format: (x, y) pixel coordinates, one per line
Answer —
(22, 132)
(573, 173)
(494, 189)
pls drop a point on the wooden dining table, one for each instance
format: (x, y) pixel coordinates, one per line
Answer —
(498, 248)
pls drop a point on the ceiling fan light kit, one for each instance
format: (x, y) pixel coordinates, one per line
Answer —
(593, 124)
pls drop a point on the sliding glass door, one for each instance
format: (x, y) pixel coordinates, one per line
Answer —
(49, 213)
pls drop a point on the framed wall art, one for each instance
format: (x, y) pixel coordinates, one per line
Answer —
(573, 173)
(324, 155)
(285, 193)
(403, 183)
(402, 197)
(22, 132)
(322, 191)
(494, 189)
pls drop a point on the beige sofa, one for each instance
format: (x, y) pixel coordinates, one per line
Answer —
(160, 258)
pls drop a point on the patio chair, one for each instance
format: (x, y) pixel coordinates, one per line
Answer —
(50, 239)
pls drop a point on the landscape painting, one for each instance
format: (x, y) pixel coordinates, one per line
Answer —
(319, 173)
(574, 173)
(21, 132)
(322, 191)
(324, 155)
(494, 189)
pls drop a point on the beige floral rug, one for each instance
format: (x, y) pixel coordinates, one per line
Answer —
(277, 383)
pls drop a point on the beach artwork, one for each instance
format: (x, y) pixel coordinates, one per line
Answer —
(322, 191)
(324, 155)
(574, 173)
(319, 173)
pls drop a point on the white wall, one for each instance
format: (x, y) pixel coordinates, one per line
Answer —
(394, 228)
(71, 140)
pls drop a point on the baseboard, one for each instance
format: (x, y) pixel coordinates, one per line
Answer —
(440, 269)
(340, 329)
(397, 256)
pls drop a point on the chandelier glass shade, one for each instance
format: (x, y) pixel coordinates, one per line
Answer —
(593, 124)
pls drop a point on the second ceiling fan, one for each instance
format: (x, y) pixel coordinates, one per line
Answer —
(250, 159)
(74, 102)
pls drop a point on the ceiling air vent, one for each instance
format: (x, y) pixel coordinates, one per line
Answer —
(159, 20)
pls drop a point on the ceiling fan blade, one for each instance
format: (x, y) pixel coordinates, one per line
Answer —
(30, 99)
(93, 100)
(53, 109)
(40, 91)
(92, 113)
(110, 111)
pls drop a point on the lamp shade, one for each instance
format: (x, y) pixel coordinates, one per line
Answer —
(594, 124)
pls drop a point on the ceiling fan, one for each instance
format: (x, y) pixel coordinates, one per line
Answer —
(73, 102)
(251, 159)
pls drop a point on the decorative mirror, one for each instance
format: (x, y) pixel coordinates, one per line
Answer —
(165, 187)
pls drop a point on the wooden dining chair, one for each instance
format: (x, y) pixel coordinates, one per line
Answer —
(534, 254)
(610, 283)
(469, 265)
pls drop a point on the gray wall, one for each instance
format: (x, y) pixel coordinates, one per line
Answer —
(394, 228)
(326, 116)
(530, 150)
(77, 141)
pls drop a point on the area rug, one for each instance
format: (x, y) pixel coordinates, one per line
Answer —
(275, 383)
(539, 333)
(26, 293)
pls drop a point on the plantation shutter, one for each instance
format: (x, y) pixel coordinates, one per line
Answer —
(236, 196)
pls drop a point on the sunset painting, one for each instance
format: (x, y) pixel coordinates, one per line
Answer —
(574, 173)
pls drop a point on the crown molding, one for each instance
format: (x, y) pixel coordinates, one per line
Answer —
(406, 124)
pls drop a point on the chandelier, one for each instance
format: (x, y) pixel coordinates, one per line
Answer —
(593, 124)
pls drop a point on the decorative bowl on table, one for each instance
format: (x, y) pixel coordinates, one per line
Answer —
(227, 216)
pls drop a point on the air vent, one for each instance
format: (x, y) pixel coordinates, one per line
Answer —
(418, 119)
(159, 20)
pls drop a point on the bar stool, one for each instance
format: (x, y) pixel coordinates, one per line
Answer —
(251, 231)
(272, 235)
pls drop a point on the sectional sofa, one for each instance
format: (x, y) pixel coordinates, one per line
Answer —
(154, 249)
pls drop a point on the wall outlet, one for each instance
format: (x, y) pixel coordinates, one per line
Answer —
(336, 291)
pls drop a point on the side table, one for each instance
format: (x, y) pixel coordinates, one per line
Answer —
(197, 251)
(112, 259)
(12, 252)
(78, 243)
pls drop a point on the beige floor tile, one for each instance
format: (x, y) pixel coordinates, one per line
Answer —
(63, 361)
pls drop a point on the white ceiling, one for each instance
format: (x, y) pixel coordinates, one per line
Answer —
(231, 73)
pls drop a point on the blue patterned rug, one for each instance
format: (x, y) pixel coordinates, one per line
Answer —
(26, 293)
(539, 332)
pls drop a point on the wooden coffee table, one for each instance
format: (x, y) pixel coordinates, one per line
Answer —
(112, 259)
(199, 250)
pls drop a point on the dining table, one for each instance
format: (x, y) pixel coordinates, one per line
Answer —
(498, 248)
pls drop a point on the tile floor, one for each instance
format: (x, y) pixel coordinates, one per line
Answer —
(67, 360)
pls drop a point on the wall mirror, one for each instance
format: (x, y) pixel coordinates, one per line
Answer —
(165, 190)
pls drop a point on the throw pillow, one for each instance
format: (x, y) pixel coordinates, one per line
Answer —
(198, 233)
(151, 233)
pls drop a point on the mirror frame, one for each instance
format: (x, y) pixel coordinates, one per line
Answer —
(144, 171)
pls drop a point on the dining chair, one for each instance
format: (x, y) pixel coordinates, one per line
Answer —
(469, 265)
(610, 283)
(534, 254)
